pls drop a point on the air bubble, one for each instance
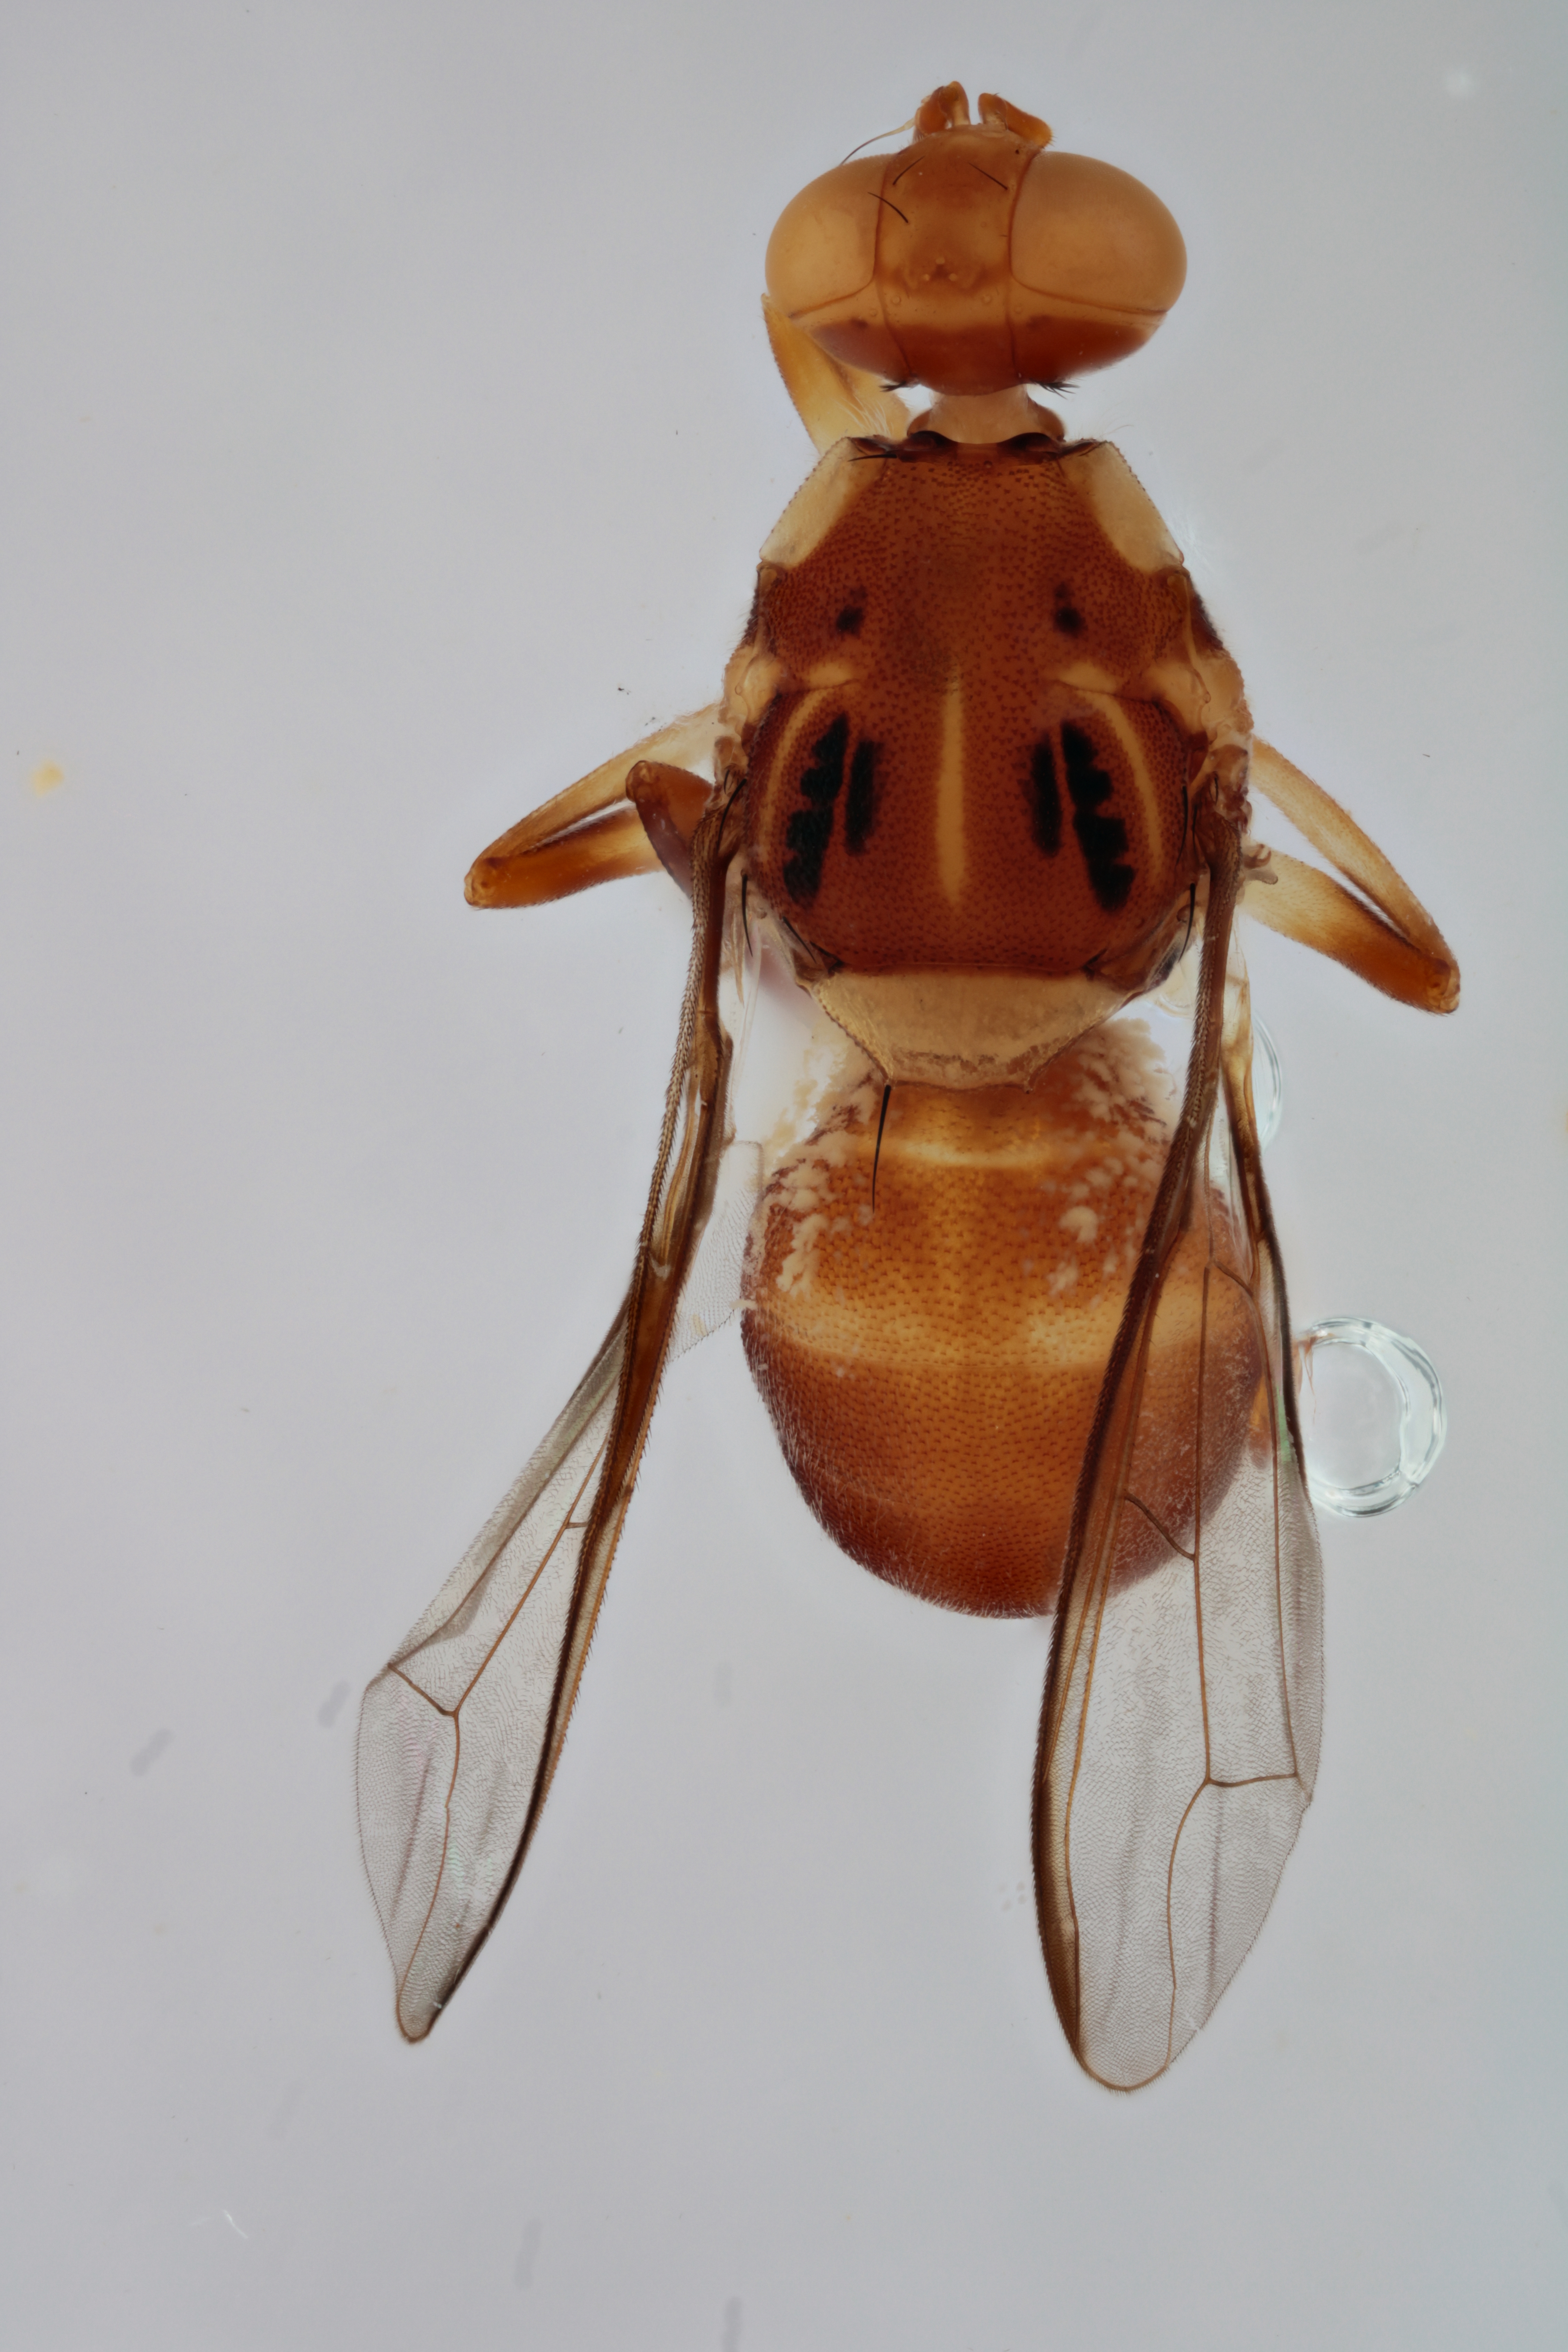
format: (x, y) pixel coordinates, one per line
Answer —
(1372, 1416)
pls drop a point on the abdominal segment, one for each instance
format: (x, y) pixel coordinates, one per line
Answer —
(933, 1363)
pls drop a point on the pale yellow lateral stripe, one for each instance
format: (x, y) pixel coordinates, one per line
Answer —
(822, 500)
(1121, 728)
(805, 712)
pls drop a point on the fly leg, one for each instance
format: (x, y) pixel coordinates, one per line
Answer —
(831, 398)
(635, 813)
(1391, 942)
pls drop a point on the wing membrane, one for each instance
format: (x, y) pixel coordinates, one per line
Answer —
(1180, 1734)
(460, 1734)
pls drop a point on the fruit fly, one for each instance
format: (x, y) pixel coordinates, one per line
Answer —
(979, 779)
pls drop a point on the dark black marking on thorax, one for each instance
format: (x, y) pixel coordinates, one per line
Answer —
(1065, 615)
(1102, 839)
(860, 806)
(1045, 798)
(809, 830)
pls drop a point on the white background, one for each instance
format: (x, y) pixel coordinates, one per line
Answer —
(388, 434)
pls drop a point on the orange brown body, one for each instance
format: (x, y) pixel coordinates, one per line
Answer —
(992, 698)
(979, 776)
(932, 1361)
(987, 720)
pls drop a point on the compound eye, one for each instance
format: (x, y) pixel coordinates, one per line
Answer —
(824, 245)
(1096, 238)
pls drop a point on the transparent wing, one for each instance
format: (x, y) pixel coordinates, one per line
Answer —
(460, 1734)
(453, 1732)
(1179, 1741)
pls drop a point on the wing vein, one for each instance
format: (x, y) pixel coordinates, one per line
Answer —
(1176, 1734)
